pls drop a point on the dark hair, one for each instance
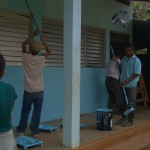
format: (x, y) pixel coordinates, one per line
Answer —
(2, 62)
(129, 45)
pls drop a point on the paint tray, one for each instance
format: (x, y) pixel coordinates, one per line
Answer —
(43, 127)
(27, 142)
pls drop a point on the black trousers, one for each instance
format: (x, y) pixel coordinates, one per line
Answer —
(115, 92)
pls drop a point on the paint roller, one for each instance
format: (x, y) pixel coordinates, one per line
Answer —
(130, 107)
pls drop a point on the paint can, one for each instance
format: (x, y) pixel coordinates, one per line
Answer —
(104, 119)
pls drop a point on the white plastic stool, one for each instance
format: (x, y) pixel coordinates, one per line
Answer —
(48, 128)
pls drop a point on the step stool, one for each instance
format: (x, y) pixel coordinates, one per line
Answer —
(27, 142)
(44, 127)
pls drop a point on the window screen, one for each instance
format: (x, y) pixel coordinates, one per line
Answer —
(14, 29)
(53, 33)
(92, 41)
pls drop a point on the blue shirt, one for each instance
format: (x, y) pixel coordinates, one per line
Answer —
(130, 66)
(7, 98)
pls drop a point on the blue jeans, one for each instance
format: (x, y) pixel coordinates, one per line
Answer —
(28, 99)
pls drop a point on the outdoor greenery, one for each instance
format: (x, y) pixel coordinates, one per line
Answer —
(141, 10)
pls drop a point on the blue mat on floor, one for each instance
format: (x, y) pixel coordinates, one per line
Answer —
(82, 125)
(27, 142)
(48, 128)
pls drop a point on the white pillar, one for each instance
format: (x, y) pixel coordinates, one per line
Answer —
(72, 52)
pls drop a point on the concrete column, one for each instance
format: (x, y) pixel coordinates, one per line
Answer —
(71, 104)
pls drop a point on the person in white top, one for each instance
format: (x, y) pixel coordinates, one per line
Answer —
(114, 87)
(33, 63)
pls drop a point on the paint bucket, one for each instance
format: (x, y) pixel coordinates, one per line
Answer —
(104, 119)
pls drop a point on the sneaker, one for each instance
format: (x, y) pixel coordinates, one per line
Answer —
(122, 120)
(19, 133)
(127, 124)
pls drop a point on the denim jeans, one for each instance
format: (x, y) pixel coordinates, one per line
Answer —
(28, 99)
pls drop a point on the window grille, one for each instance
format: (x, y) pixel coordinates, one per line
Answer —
(92, 41)
(14, 29)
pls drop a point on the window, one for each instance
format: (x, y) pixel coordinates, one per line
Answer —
(53, 33)
(92, 46)
(92, 41)
(14, 29)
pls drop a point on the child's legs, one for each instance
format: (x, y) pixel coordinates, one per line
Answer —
(7, 141)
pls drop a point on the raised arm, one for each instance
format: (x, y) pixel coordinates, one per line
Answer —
(48, 50)
(29, 40)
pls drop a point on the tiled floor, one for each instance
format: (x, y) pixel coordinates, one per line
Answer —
(89, 134)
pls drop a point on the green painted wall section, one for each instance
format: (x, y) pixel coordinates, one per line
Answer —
(96, 13)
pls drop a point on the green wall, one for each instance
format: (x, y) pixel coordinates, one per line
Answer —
(97, 13)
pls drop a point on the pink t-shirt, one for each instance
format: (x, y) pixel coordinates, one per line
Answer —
(33, 72)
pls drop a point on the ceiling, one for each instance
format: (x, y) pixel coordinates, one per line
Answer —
(127, 2)
(124, 2)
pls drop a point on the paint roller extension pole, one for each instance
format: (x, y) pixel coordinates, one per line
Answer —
(32, 15)
(128, 111)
